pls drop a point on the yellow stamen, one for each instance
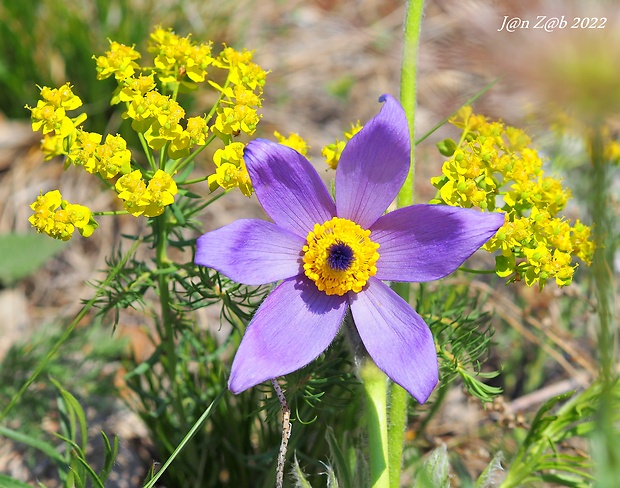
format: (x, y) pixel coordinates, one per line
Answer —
(339, 256)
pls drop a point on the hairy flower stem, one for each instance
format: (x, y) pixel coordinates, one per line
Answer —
(386, 439)
(398, 396)
(375, 389)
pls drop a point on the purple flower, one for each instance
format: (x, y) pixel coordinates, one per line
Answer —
(332, 256)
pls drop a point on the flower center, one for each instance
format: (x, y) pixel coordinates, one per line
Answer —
(339, 256)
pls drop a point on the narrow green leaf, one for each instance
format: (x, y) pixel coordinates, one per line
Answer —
(110, 456)
(49, 450)
(77, 410)
(342, 467)
(186, 439)
(8, 482)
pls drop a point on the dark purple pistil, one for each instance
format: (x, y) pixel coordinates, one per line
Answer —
(340, 256)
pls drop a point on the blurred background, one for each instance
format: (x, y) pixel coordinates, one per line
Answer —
(329, 61)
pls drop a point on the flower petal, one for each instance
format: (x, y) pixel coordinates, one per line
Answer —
(373, 165)
(428, 242)
(292, 327)
(251, 251)
(397, 339)
(288, 187)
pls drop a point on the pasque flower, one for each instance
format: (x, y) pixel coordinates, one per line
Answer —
(332, 256)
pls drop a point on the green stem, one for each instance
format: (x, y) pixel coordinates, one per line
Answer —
(179, 165)
(398, 396)
(147, 151)
(413, 20)
(375, 389)
(476, 271)
(113, 272)
(112, 212)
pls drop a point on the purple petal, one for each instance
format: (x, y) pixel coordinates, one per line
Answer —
(397, 339)
(373, 165)
(292, 327)
(251, 251)
(428, 242)
(288, 187)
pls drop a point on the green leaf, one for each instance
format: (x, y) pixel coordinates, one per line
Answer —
(435, 472)
(299, 478)
(8, 482)
(110, 456)
(47, 449)
(504, 265)
(492, 473)
(22, 254)
(342, 467)
(75, 409)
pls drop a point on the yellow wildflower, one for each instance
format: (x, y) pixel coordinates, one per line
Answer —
(113, 158)
(231, 171)
(160, 193)
(197, 130)
(332, 151)
(140, 199)
(118, 61)
(83, 151)
(493, 160)
(131, 188)
(176, 57)
(293, 141)
(61, 97)
(58, 218)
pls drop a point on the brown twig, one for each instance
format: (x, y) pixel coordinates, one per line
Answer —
(286, 433)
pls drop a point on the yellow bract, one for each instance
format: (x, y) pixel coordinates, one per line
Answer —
(58, 218)
(142, 199)
(493, 160)
(231, 171)
(339, 233)
(294, 141)
(332, 151)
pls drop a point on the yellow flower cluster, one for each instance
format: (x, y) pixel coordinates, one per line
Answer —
(493, 168)
(107, 159)
(177, 57)
(230, 169)
(58, 218)
(149, 94)
(142, 199)
(118, 61)
(240, 95)
(294, 141)
(332, 152)
(180, 62)
(50, 117)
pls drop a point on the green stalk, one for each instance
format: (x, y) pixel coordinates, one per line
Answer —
(408, 86)
(398, 396)
(375, 390)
